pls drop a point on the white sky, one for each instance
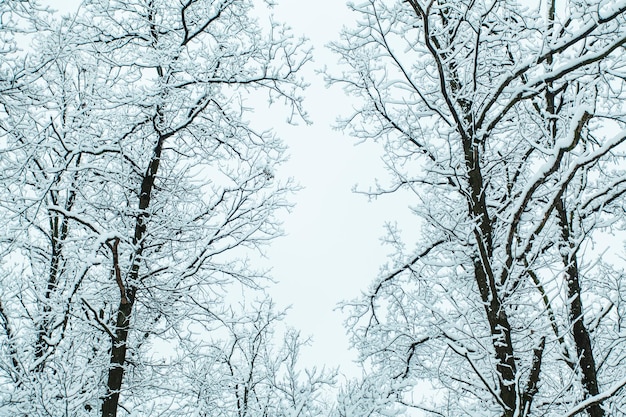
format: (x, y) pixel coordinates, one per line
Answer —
(332, 250)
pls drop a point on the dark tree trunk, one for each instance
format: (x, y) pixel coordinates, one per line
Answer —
(580, 333)
(499, 325)
(118, 357)
(127, 295)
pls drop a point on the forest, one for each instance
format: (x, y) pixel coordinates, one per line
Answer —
(139, 196)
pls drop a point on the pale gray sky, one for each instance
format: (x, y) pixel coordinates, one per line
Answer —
(332, 250)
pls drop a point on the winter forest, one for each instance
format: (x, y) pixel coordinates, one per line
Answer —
(141, 191)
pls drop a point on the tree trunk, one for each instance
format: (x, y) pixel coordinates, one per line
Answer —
(580, 333)
(118, 357)
(127, 295)
(499, 326)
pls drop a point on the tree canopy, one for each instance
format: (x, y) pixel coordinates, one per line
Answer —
(506, 121)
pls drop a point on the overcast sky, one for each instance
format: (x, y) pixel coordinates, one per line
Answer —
(332, 250)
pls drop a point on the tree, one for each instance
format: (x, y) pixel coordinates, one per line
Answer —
(133, 190)
(248, 376)
(505, 121)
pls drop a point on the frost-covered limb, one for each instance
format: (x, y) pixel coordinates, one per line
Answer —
(560, 47)
(135, 187)
(541, 176)
(251, 371)
(551, 317)
(518, 172)
(96, 317)
(598, 399)
(460, 350)
(389, 277)
(532, 383)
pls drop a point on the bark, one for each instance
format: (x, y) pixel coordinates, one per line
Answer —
(580, 333)
(59, 230)
(499, 325)
(118, 358)
(532, 386)
(119, 346)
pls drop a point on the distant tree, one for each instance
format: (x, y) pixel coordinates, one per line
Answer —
(248, 375)
(506, 121)
(133, 189)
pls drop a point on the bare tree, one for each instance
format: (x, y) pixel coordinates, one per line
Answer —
(133, 190)
(250, 374)
(505, 119)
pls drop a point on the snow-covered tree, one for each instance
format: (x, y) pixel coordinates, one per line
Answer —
(505, 120)
(133, 190)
